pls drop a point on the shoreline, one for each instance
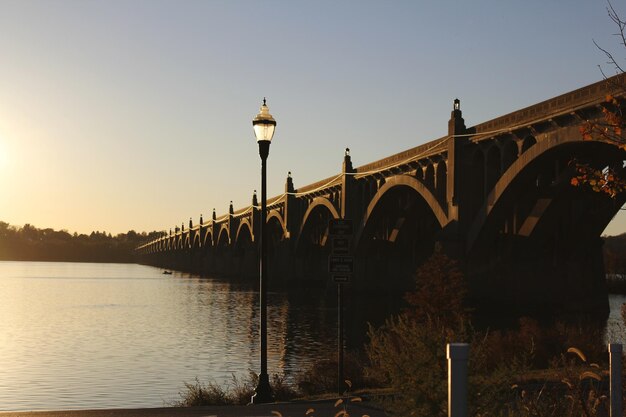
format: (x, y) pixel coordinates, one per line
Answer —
(293, 409)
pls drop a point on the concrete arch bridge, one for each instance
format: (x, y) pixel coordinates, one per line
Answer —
(496, 196)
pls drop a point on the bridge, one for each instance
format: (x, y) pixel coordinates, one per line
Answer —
(495, 196)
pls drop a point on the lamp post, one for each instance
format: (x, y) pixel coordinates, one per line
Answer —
(264, 125)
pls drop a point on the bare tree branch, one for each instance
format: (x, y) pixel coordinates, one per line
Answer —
(621, 24)
(611, 60)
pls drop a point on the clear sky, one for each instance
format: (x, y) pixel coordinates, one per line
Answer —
(119, 115)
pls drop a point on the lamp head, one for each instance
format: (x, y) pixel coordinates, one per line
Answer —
(264, 124)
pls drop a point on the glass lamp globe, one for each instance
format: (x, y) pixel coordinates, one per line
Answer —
(264, 124)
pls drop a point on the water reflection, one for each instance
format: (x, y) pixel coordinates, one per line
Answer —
(92, 335)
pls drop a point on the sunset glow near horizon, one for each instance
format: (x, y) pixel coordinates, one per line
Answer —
(137, 115)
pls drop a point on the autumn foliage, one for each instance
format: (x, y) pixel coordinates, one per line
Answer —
(602, 181)
(610, 130)
(440, 291)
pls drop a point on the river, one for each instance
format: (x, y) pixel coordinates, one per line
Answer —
(81, 335)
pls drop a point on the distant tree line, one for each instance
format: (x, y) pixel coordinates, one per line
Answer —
(29, 243)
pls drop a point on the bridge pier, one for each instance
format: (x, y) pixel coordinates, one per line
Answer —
(517, 277)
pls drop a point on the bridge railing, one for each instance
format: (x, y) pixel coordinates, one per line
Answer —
(580, 98)
(325, 183)
(426, 150)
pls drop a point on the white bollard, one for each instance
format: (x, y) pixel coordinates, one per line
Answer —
(615, 365)
(457, 354)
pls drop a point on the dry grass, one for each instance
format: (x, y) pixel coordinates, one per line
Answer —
(238, 392)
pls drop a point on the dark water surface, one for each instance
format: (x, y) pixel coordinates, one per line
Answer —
(80, 335)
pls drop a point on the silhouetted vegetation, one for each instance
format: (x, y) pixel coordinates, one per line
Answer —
(238, 392)
(29, 243)
(516, 372)
(321, 377)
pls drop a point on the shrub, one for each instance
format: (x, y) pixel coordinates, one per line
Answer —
(440, 291)
(199, 394)
(241, 391)
(408, 351)
(575, 388)
(281, 390)
(322, 376)
(238, 392)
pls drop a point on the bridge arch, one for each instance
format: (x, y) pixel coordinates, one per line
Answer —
(402, 181)
(244, 233)
(223, 237)
(536, 166)
(197, 241)
(312, 247)
(543, 233)
(398, 231)
(278, 227)
(314, 227)
(207, 239)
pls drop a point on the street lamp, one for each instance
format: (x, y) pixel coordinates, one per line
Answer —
(264, 125)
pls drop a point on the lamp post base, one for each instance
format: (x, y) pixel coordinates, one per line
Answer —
(263, 391)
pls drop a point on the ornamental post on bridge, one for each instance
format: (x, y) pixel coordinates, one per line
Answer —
(256, 218)
(214, 228)
(200, 230)
(291, 216)
(348, 200)
(191, 233)
(232, 227)
(456, 143)
(453, 234)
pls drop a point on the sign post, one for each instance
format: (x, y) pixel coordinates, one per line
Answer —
(341, 267)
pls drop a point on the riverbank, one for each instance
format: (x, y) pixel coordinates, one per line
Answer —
(292, 409)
